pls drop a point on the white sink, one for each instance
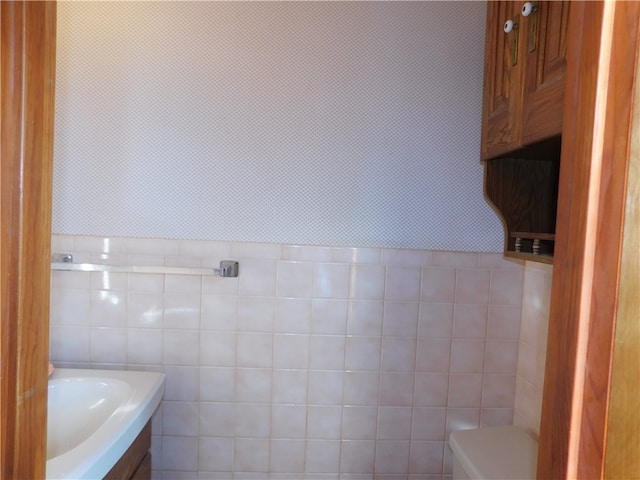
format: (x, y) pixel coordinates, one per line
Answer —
(94, 416)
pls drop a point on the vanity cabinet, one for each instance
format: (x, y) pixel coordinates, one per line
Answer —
(524, 82)
(135, 464)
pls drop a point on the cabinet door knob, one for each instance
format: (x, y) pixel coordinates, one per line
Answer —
(529, 8)
(509, 26)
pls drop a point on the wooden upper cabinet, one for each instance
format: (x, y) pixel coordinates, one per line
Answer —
(523, 75)
(502, 80)
(545, 72)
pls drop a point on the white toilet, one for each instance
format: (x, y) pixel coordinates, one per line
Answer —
(493, 453)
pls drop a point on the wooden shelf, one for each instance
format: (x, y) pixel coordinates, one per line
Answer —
(534, 236)
(530, 257)
(523, 189)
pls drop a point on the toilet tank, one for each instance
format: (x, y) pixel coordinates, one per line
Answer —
(494, 453)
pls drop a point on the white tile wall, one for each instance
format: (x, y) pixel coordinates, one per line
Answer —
(315, 363)
(533, 346)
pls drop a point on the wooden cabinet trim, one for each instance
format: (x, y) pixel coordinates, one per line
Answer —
(603, 49)
(27, 72)
(623, 425)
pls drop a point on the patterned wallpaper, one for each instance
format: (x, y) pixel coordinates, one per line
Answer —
(317, 123)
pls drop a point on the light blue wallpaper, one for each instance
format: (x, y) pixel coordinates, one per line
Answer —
(331, 123)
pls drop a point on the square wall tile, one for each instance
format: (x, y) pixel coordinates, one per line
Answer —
(330, 280)
(256, 314)
(438, 285)
(291, 351)
(108, 308)
(359, 422)
(322, 456)
(396, 389)
(431, 389)
(181, 383)
(326, 387)
(435, 320)
(324, 421)
(108, 345)
(470, 321)
(293, 315)
(251, 455)
(287, 455)
(180, 418)
(181, 347)
(498, 391)
(363, 353)
(215, 454)
(427, 458)
(398, 354)
(392, 456)
(472, 285)
(467, 356)
(145, 310)
(217, 419)
(254, 349)
(253, 385)
(357, 456)
(364, 317)
(329, 316)
(217, 349)
(144, 346)
(179, 453)
(217, 384)
(257, 278)
(465, 390)
(295, 279)
(433, 355)
(253, 421)
(394, 423)
(428, 424)
(506, 287)
(403, 283)
(400, 318)
(288, 421)
(327, 352)
(367, 282)
(289, 386)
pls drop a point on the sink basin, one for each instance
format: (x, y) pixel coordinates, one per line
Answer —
(94, 416)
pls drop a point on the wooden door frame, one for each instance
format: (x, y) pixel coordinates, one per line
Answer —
(601, 77)
(27, 96)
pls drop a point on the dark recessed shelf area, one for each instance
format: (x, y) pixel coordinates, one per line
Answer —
(523, 188)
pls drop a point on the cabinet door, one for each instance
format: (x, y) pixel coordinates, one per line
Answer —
(503, 69)
(545, 71)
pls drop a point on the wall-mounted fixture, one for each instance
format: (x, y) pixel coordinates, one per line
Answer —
(64, 261)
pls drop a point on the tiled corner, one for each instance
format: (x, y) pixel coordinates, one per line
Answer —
(532, 345)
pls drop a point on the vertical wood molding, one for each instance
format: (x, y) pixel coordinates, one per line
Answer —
(564, 317)
(27, 96)
(623, 426)
(609, 236)
(593, 176)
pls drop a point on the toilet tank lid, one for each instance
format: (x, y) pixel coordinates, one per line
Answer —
(494, 453)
